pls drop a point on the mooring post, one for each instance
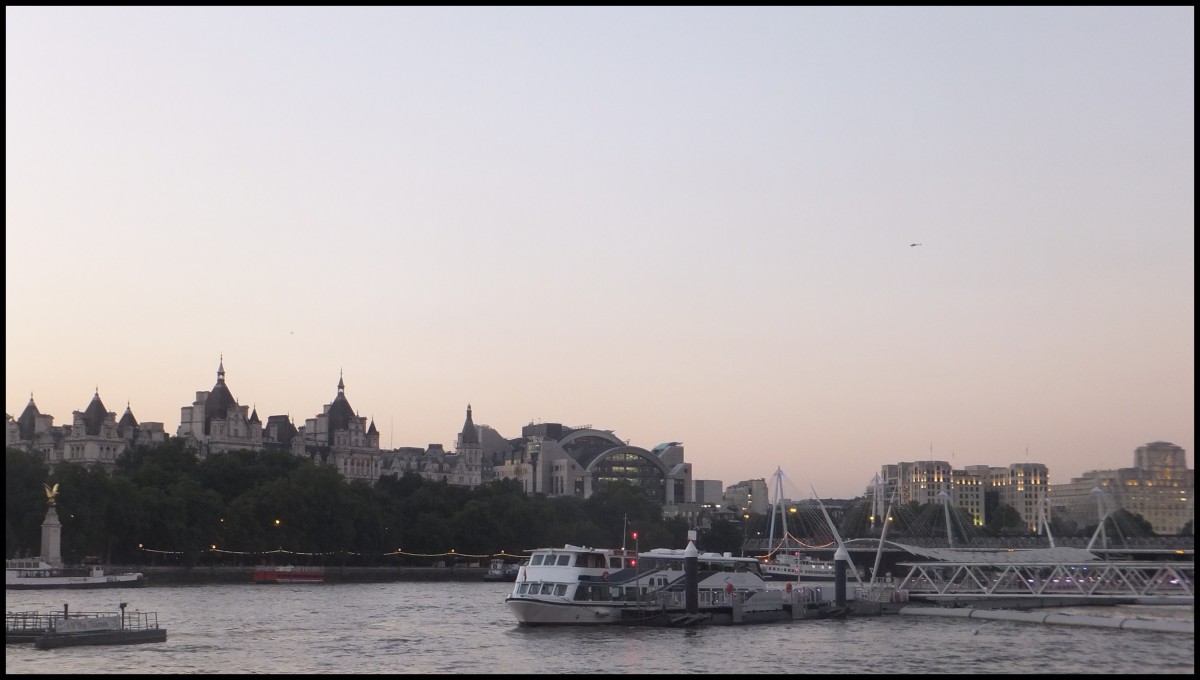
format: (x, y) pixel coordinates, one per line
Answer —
(841, 560)
(691, 572)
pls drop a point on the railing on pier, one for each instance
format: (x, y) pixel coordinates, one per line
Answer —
(37, 622)
(33, 621)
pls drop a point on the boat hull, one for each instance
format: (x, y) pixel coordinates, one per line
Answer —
(75, 583)
(113, 637)
(289, 575)
(529, 612)
(542, 613)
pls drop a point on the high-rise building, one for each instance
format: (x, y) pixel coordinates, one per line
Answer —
(1160, 487)
(976, 489)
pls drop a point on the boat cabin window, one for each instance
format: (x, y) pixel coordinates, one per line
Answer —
(593, 593)
(560, 589)
(537, 559)
(591, 560)
(564, 560)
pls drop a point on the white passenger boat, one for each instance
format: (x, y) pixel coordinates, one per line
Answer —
(578, 585)
(32, 573)
(797, 567)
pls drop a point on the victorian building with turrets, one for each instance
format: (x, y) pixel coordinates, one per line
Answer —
(94, 437)
(341, 438)
(216, 422)
(33, 432)
(463, 467)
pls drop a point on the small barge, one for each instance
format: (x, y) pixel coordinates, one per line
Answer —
(65, 629)
(289, 574)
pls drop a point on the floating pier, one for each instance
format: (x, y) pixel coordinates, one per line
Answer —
(49, 630)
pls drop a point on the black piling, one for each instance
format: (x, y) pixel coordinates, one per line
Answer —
(841, 561)
(691, 578)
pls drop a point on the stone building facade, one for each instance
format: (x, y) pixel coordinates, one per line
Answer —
(340, 437)
(557, 460)
(977, 489)
(95, 437)
(216, 422)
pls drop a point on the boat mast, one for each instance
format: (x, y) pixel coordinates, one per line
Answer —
(624, 533)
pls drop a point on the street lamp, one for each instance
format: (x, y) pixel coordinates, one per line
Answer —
(745, 525)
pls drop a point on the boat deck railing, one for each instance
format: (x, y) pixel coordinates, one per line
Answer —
(140, 621)
(33, 621)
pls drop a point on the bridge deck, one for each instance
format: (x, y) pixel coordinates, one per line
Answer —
(1099, 580)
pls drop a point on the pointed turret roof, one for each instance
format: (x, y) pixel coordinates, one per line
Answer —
(254, 416)
(127, 423)
(27, 420)
(94, 415)
(219, 399)
(372, 430)
(340, 412)
(469, 435)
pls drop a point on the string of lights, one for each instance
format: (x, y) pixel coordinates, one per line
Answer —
(280, 551)
(781, 546)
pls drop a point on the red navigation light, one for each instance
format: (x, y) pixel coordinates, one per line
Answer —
(633, 563)
(635, 535)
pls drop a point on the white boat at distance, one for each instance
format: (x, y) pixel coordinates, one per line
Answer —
(579, 585)
(798, 567)
(33, 574)
(786, 562)
(499, 570)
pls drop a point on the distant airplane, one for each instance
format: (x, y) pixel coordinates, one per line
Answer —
(913, 244)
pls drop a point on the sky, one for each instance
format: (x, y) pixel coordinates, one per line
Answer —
(677, 224)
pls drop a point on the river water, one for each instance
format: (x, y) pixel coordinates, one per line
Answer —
(454, 627)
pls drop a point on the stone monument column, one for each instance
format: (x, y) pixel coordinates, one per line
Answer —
(52, 531)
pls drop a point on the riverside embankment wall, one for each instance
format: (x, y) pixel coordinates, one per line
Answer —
(165, 576)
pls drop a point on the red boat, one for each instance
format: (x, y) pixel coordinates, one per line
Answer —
(289, 574)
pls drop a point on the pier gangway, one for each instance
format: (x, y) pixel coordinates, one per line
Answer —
(1098, 582)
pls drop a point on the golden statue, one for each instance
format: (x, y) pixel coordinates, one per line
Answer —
(51, 493)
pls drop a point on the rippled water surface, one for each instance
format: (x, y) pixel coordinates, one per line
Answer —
(466, 628)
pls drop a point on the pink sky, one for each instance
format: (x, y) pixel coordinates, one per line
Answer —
(678, 224)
